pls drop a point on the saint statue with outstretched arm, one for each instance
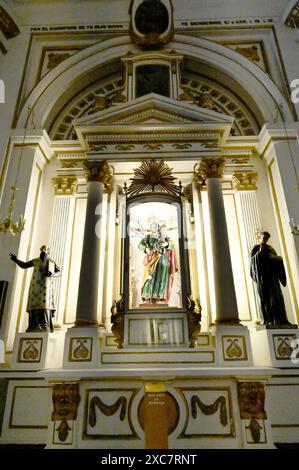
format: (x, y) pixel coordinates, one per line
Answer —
(40, 305)
(267, 270)
(160, 265)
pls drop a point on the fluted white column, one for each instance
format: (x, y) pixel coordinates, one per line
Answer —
(64, 190)
(210, 171)
(245, 184)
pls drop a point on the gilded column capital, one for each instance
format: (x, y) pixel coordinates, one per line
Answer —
(245, 181)
(208, 168)
(101, 172)
(64, 185)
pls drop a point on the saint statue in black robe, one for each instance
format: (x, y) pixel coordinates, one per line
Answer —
(267, 270)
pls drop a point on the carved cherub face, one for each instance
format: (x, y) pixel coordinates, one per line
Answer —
(66, 400)
(252, 399)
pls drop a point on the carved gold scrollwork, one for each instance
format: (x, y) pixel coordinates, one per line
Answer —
(251, 52)
(107, 410)
(81, 351)
(125, 147)
(284, 349)
(233, 350)
(153, 146)
(251, 397)
(255, 430)
(31, 352)
(181, 146)
(118, 321)
(210, 409)
(55, 59)
(194, 318)
(97, 147)
(63, 430)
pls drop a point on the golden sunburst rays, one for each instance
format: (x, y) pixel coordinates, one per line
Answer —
(153, 175)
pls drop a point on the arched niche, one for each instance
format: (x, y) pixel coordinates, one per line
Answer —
(78, 71)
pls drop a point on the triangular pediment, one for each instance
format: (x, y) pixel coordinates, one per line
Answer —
(153, 109)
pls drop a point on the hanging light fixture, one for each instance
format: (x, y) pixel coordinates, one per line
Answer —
(7, 224)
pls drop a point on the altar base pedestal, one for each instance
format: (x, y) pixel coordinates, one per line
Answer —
(233, 346)
(275, 347)
(35, 351)
(81, 348)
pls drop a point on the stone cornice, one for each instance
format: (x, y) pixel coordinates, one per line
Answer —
(277, 132)
(34, 137)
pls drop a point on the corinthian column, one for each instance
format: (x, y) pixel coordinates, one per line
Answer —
(99, 178)
(210, 172)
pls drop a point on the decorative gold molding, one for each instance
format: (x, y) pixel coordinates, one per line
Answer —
(245, 181)
(208, 168)
(86, 324)
(14, 410)
(113, 354)
(101, 172)
(64, 186)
